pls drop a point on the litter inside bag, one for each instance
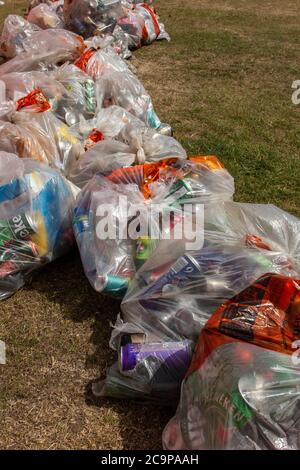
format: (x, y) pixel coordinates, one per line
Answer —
(241, 242)
(97, 61)
(36, 205)
(116, 139)
(30, 130)
(141, 25)
(45, 17)
(133, 198)
(242, 390)
(89, 17)
(70, 92)
(125, 90)
(175, 291)
(44, 49)
(15, 31)
(109, 258)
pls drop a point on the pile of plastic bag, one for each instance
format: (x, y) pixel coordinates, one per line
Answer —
(39, 49)
(83, 152)
(70, 101)
(175, 292)
(137, 20)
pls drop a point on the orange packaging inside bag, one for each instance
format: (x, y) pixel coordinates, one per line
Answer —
(266, 314)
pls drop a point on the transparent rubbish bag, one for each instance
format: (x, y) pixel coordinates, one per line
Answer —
(80, 100)
(176, 290)
(36, 205)
(242, 390)
(15, 31)
(30, 130)
(116, 139)
(120, 42)
(114, 122)
(150, 187)
(97, 61)
(149, 190)
(19, 84)
(102, 158)
(45, 17)
(149, 370)
(55, 5)
(70, 92)
(87, 17)
(142, 26)
(132, 25)
(44, 49)
(125, 90)
(257, 239)
(109, 259)
(264, 226)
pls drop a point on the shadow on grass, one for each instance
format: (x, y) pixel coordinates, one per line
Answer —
(64, 285)
(140, 424)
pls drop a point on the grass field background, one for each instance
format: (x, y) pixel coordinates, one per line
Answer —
(224, 83)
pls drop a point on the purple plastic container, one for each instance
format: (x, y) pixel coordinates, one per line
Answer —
(176, 355)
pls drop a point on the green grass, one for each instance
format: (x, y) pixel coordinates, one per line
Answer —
(227, 90)
(224, 83)
(12, 7)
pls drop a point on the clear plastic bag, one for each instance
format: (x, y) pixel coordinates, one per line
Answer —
(70, 92)
(158, 182)
(242, 241)
(132, 25)
(36, 206)
(87, 17)
(116, 139)
(55, 5)
(120, 42)
(141, 25)
(102, 158)
(44, 49)
(15, 30)
(45, 17)
(242, 391)
(95, 62)
(176, 291)
(114, 122)
(19, 84)
(32, 131)
(109, 262)
(125, 90)
(80, 100)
